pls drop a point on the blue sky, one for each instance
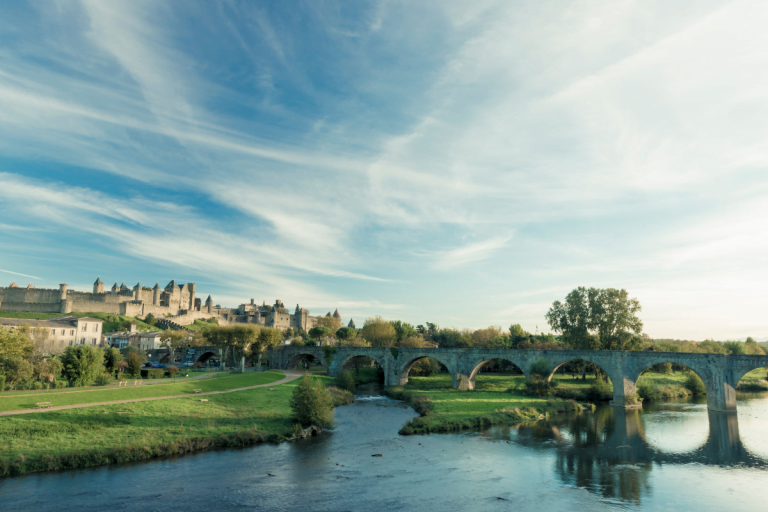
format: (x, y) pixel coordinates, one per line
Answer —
(464, 163)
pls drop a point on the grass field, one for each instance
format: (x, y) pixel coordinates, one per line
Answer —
(137, 431)
(199, 325)
(72, 396)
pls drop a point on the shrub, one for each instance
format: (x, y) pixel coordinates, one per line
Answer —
(541, 369)
(37, 385)
(632, 399)
(329, 353)
(340, 396)
(61, 384)
(539, 384)
(310, 343)
(172, 370)
(312, 404)
(599, 390)
(155, 373)
(297, 342)
(104, 379)
(2, 383)
(695, 385)
(345, 380)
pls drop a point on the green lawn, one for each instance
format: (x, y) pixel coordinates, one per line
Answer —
(99, 435)
(11, 402)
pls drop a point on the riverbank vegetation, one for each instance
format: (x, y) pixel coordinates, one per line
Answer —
(495, 401)
(93, 436)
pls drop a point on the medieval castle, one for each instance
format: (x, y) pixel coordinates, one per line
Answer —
(175, 305)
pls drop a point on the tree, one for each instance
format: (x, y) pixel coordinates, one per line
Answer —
(312, 404)
(173, 340)
(346, 333)
(481, 337)
(269, 337)
(111, 357)
(130, 349)
(16, 369)
(403, 330)
(134, 363)
(14, 344)
(172, 371)
(597, 318)
(453, 338)
(379, 332)
(517, 330)
(82, 364)
(40, 338)
(242, 338)
(345, 380)
(416, 342)
(320, 332)
(331, 322)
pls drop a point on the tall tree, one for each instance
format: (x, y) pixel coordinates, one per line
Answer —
(379, 332)
(597, 318)
(403, 330)
(269, 337)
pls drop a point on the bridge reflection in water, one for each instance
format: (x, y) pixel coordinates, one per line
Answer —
(608, 452)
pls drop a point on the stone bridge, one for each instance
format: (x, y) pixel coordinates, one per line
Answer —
(720, 373)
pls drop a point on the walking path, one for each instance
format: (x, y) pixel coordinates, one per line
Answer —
(290, 375)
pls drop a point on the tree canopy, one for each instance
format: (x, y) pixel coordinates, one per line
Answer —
(597, 318)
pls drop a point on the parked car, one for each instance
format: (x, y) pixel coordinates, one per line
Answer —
(187, 365)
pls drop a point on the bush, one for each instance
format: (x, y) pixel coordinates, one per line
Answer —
(104, 379)
(599, 390)
(695, 385)
(297, 342)
(345, 380)
(310, 343)
(172, 370)
(155, 373)
(37, 385)
(312, 404)
(2, 383)
(61, 384)
(541, 369)
(340, 396)
(134, 364)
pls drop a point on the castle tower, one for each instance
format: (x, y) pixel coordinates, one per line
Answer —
(156, 294)
(124, 288)
(137, 291)
(13, 285)
(64, 309)
(192, 287)
(351, 324)
(98, 286)
(115, 289)
(209, 304)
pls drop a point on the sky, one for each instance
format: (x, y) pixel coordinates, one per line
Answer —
(461, 163)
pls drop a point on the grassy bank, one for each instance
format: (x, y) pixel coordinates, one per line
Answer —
(72, 396)
(444, 409)
(111, 434)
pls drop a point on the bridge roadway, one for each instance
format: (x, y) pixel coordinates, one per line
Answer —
(720, 373)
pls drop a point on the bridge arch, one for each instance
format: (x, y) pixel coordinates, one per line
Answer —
(412, 357)
(477, 365)
(294, 361)
(205, 356)
(700, 367)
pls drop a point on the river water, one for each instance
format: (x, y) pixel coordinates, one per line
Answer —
(670, 456)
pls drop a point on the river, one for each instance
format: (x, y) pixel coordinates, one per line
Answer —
(669, 456)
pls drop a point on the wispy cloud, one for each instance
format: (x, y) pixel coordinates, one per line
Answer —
(19, 274)
(469, 253)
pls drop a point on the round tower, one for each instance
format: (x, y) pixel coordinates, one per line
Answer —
(156, 294)
(98, 286)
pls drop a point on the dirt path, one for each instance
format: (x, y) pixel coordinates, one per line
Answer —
(290, 375)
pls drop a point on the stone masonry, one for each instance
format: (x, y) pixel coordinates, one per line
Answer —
(720, 373)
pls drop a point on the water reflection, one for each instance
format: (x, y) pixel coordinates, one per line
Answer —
(610, 453)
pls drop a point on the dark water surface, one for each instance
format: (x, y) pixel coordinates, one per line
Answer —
(672, 456)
